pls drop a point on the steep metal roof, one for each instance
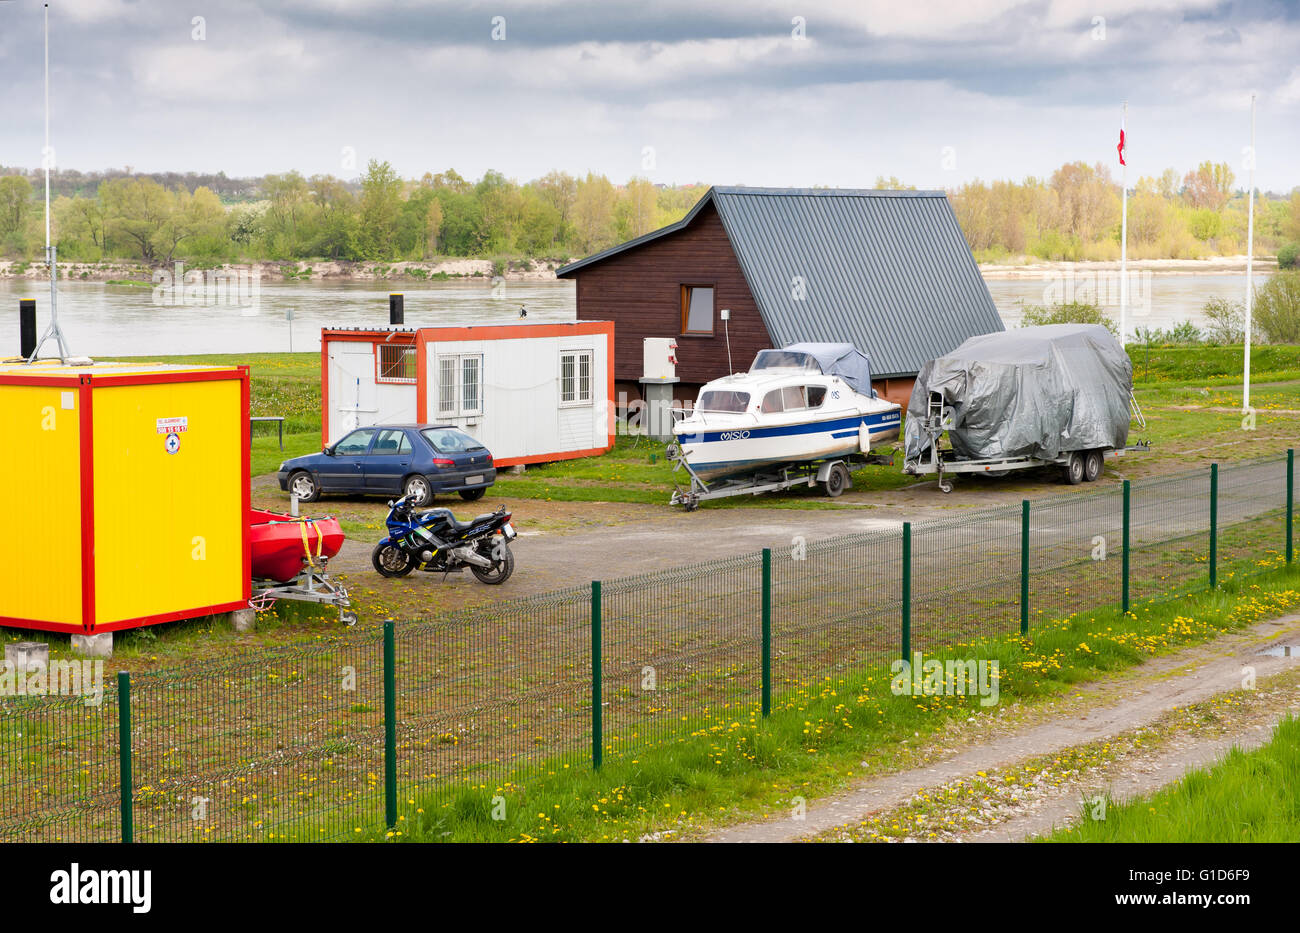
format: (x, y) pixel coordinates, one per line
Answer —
(887, 271)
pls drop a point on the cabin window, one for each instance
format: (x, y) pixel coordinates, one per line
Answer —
(697, 309)
(723, 400)
(575, 377)
(396, 363)
(460, 385)
(816, 395)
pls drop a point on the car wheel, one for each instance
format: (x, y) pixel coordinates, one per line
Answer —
(1093, 464)
(418, 488)
(1074, 469)
(472, 495)
(303, 486)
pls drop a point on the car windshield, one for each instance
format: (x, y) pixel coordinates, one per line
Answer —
(788, 360)
(450, 440)
(723, 400)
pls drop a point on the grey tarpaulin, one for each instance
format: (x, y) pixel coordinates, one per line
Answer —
(839, 359)
(1031, 392)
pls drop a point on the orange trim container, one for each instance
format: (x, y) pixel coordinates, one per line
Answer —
(125, 496)
(532, 393)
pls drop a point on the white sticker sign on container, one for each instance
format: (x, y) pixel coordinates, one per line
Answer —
(173, 425)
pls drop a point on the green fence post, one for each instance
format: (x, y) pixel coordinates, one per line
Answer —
(124, 754)
(907, 591)
(1124, 565)
(390, 726)
(1024, 567)
(1214, 525)
(767, 631)
(1290, 501)
(597, 737)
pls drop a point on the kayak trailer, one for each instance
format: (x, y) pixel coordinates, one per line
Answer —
(290, 560)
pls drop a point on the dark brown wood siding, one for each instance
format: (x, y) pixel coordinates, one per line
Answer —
(640, 291)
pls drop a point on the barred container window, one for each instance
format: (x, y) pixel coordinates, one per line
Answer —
(396, 363)
(447, 385)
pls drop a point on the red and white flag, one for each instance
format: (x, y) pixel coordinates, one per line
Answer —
(1120, 147)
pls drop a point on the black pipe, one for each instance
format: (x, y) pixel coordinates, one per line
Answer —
(26, 327)
(396, 309)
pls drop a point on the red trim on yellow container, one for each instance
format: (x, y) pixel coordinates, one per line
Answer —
(246, 440)
(86, 439)
(41, 625)
(176, 616)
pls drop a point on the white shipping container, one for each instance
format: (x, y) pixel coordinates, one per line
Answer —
(531, 393)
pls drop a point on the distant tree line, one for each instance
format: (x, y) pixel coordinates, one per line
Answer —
(381, 217)
(1076, 214)
(1073, 214)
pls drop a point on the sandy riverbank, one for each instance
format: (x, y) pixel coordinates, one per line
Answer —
(308, 270)
(1219, 265)
(543, 270)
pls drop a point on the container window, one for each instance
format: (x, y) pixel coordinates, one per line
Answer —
(575, 377)
(460, 385)
(396, 363)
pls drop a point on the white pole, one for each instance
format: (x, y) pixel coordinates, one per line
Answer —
(1250, 257)
(1123, 236)
(47, 138)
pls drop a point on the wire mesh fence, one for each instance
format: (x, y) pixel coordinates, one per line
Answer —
(324, 741)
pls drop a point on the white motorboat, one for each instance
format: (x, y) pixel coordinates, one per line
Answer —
(804, 403)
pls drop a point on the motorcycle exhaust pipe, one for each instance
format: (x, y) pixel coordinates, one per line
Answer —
(469, 556)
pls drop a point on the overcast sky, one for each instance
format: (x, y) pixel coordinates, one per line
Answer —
(935, 92)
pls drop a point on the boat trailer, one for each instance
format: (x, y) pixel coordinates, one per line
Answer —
(832, 475)
(1078, 465)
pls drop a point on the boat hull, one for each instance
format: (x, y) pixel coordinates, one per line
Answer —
(721, 450)
(281, 543)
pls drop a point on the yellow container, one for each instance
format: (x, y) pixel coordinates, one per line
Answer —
(125, 494)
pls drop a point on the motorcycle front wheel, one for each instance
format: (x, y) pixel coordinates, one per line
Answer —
(391, 561)
(503, 566)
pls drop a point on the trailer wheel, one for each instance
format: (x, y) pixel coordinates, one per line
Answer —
(1093, 464)
(945, 486)
(1074, 469)
(836, 480)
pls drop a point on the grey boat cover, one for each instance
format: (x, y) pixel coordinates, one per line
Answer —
(1030, 392)
(839, 359)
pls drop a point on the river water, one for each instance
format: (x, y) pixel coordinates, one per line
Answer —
(113, 320)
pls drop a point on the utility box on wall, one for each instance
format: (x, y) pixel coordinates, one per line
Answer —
(126, 494)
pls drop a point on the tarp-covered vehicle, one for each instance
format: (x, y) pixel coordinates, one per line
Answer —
(1060, 394)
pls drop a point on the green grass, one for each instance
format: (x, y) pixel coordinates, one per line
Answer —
(1205, 365)
(1246, 797)
(731, 764)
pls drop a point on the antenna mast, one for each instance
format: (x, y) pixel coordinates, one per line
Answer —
(51, 251)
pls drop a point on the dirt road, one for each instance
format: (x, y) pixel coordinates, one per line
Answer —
(1147, 692)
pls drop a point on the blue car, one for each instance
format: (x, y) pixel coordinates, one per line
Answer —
(418, 460)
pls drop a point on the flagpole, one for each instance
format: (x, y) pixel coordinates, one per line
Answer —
(1123, 234)
(1250, 257)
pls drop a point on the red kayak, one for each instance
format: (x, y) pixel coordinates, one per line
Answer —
(282, 543)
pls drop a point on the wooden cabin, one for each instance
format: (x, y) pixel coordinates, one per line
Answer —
(887, 271)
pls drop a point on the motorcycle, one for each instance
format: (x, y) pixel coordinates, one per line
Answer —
(434, 541)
